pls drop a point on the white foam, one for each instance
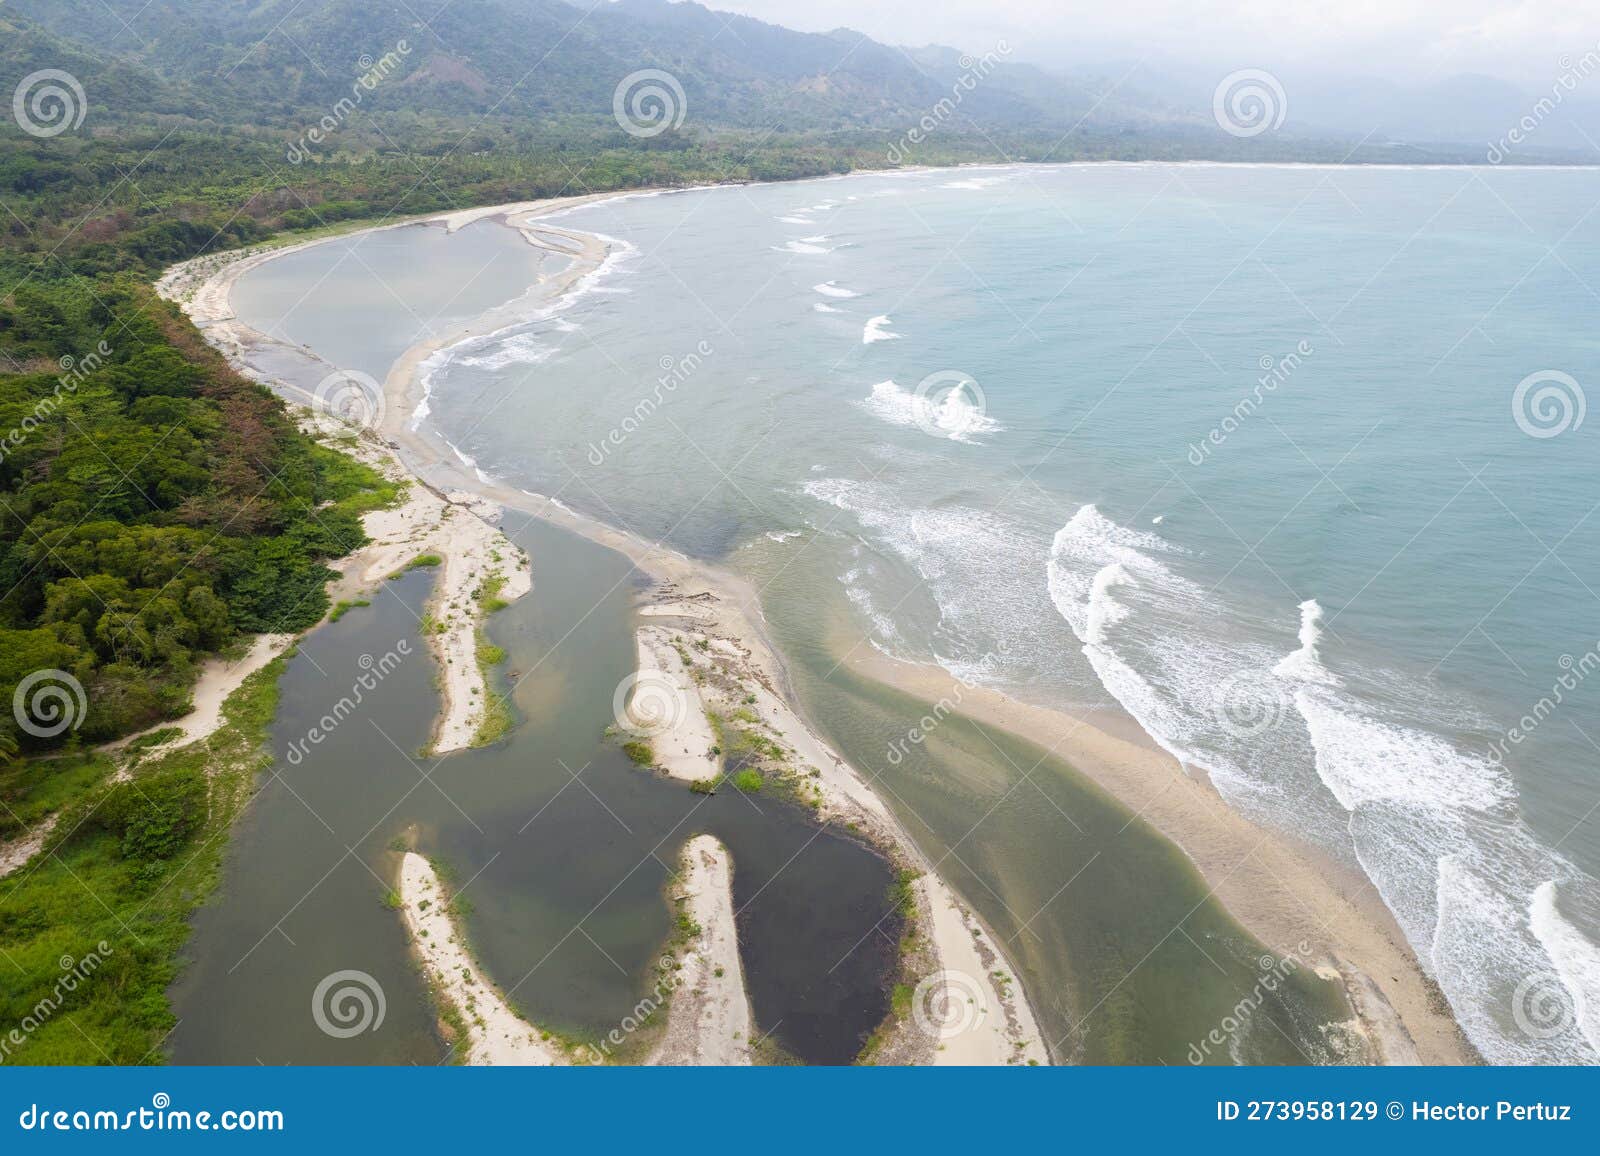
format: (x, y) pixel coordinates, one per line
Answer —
(877, 329)
(1575, 957)
(820, 307)
(797, 220)
(517, 341)
(803, 246)
(953, 416)
(517, 349)
(973, 183)
(861, 598)
(1363, 760)
(834, 289)
(1305, 664)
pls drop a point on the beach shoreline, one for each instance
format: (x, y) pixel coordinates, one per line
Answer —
(1286, 895)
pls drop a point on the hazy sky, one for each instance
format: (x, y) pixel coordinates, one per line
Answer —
(1519, 40)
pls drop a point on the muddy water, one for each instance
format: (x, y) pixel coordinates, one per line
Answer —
(561, 847)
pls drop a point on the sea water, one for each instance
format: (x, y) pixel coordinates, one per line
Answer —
(1287, 463)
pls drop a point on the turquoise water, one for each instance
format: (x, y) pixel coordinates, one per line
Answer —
(1233, 449)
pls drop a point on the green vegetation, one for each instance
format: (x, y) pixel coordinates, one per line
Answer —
(497, 718)
(488, 594)
(154, 506)
(342, 608)
(903, 891)
(748, 780)
(640, 752)
(127, 862)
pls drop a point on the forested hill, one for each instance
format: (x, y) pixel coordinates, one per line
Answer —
(271, 62)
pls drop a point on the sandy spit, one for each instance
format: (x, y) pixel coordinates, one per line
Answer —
(968, 1007)
(708, 1021)
(496, 1035)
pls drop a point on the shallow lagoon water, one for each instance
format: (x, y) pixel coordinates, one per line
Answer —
(562, 848)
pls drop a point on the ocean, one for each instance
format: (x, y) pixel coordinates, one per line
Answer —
(1287, 463)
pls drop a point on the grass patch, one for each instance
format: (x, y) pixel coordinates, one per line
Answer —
(497, 718)
(640, 752)
(489, 594)
(34, 789)
(418, 563)
(748, 780)
(342, 608)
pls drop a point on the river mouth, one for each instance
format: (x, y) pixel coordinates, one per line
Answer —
(562, 849)
(1138, 970)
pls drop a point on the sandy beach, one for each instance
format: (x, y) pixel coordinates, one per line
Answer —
(1285, 894)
